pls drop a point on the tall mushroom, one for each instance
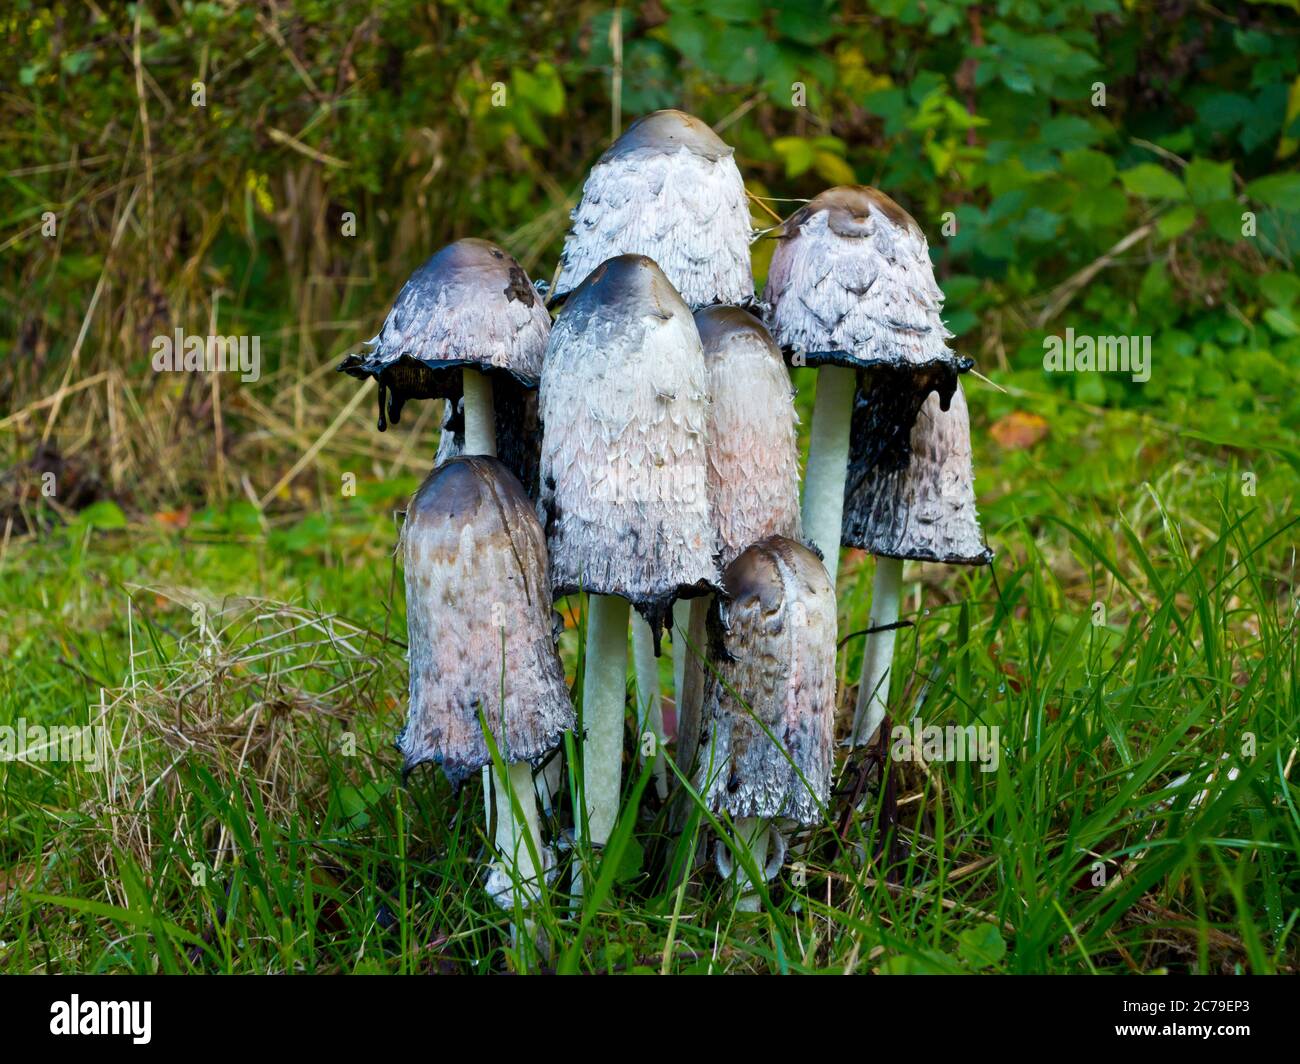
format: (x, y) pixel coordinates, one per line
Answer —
(769, 708)
(753, 466)
(918, 505)
(482, 639)
(624, 412)
(851, 289)
(668, 188)
(467, 318)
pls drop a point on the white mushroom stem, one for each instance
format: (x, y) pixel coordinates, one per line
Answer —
(604, 693)
(480, 414)
(513, 833)
(681, 624)
(649, 703)
(754, 834)
(828, 462)
(690, 710)
(878, 653)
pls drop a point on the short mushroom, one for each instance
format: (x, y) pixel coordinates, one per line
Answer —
(851, 289)
(753, 465)
(921, 507)
(624, 404)
(482, 639)
(466, 318)
(769, 708)
(669, 189)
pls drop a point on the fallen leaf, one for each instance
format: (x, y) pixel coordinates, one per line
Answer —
(173, 518)
(1019, 430)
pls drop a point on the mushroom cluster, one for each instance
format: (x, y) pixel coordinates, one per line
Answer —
(649, 462)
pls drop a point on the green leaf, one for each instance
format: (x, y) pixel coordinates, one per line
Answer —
(834, 169)
(75, 63)
(1280, 289)
(1018, 80)
(930, 962)
(1155, 287)
(1277, 190)
(1176, 222)
(1096, 208)
(744, 11)
(805, 21)
(1088, 166)
(1208, 182)
(1067, 131)
(1153, 182)
(889, 104)
(981, 946)
(631, 862)
(102, 514)
(797, 153)
(354, 805)
(1225, 219)
(1224, 111)
(1284, 323)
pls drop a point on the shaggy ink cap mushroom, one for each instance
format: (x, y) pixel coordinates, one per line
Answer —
(851, 289)
(753, 471)
(772, 645)
(481, 628)
(925, 510)
(471, 306)
(851, 284)
(753, 442)
(668, 188)
(624, 406)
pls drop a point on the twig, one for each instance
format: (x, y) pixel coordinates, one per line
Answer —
(1061, 296)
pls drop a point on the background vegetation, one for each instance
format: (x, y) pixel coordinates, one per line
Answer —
(1126, 829)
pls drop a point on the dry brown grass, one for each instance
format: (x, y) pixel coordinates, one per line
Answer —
(262, 695)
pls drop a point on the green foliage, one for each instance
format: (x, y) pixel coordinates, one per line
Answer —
(1049, 132)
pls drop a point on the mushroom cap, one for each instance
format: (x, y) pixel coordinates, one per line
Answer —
(666, 132)
(667, 188)
(481, 626)
(624, 405)
(851, 283)
(470, 305)
(753, 448)
(772, 647)
(925, 508)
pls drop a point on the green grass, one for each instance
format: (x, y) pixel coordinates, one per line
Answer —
(253, 817)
